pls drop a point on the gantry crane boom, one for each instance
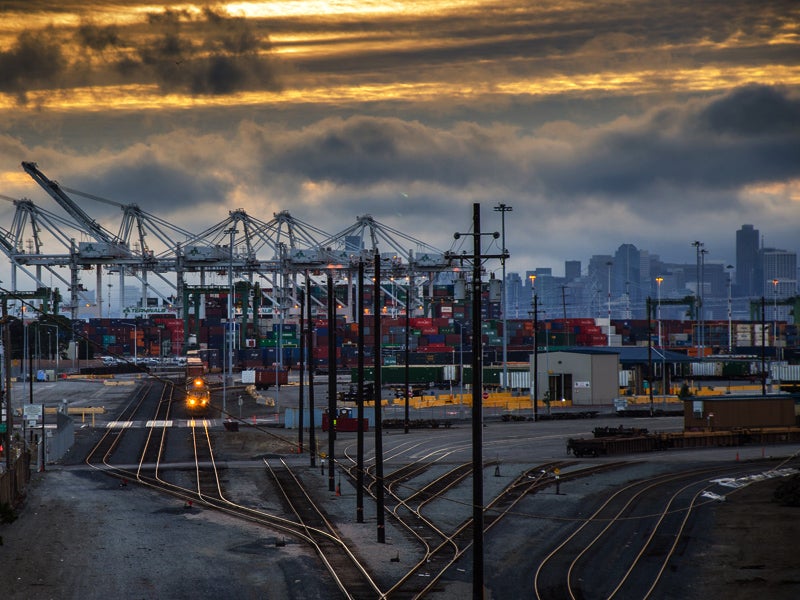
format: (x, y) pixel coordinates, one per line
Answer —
(75, 211)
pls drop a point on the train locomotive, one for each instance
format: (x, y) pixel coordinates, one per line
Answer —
(198, 392)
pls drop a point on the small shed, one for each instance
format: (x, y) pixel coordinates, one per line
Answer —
(739, 412)
(578, 375)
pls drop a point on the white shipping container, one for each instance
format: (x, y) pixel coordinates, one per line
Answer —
(517, 380)
(706, 369)
(784, 372)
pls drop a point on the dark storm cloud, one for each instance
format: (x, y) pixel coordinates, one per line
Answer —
(749, 136)
(714, 146)
(367, 150)
(156, 187)
(35, 61)
(98, 38)
(756, 111)
(213, 55)
(210, 54)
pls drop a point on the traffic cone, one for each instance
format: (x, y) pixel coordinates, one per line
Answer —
(187, 505)
(338, 489)
(737, 457)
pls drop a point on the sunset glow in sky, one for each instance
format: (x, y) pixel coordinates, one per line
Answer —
(600, 123)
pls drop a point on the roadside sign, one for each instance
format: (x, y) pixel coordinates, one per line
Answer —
(32, 412)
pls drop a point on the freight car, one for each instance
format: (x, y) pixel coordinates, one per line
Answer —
(345, 421)
(264, 378)
(610, 445)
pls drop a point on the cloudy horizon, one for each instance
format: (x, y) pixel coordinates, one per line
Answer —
(599, 123)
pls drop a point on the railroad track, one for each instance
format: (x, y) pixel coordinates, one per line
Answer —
(344, 566)
(624, 547)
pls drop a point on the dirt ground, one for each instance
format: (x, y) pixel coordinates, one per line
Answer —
(750, 550)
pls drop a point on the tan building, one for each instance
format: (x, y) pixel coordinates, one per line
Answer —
(583, 378)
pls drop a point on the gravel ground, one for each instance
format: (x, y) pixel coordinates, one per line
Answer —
(81, 535)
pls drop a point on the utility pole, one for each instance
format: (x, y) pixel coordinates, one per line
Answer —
(503, 209)
(312, 439)
(360, 413)
(477, 402)
(379, 499)
(331, 381)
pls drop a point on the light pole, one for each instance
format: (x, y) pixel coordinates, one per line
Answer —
(49, 349)
(698, 301)
(659, 281)
(135, 344)
(608, 331)
(535, 348)
(730, 311)
(775, 314)
(503, 209)
(460, 367)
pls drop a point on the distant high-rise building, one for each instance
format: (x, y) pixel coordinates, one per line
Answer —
(747, 262)
(572, 270)
(625, 274)
(780, 272)
(600, 269)
(516, 302)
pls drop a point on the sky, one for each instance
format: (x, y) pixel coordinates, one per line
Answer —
(597, 122)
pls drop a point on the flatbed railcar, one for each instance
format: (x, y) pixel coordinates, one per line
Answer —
(609, 445)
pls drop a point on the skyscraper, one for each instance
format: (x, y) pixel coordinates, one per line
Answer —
(572, 270)
(747, 281)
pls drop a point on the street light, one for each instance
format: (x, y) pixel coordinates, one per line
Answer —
(608, 331)
(49, 349)
(698, 298)
(659, 281)
(775, 313)
(503, 209)
(730, 311)
(460, 366)
(535, 348)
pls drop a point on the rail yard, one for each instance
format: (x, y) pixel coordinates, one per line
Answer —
(251, 517)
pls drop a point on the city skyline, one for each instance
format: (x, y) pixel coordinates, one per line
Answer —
(593, 121)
